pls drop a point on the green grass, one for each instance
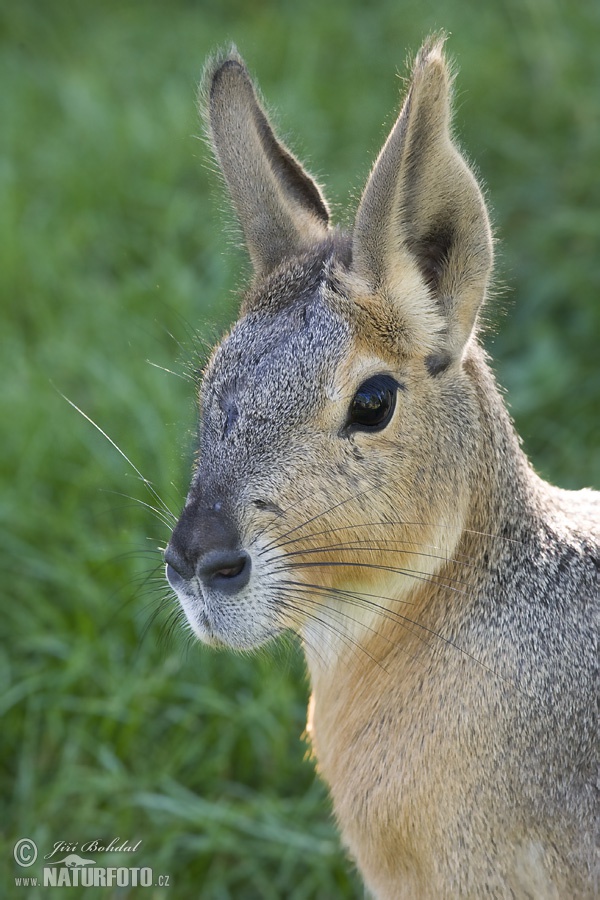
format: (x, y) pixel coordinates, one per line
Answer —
(114, 250)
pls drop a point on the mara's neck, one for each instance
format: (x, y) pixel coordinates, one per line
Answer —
(504, 487)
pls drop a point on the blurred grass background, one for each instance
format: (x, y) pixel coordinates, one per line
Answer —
(114, 250)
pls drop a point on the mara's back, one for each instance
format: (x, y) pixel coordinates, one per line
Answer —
(359, 481)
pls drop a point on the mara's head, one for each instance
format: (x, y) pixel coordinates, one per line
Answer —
(339, 417)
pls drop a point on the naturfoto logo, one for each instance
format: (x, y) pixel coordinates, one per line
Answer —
(74, 870)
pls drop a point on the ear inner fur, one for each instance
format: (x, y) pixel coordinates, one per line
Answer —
(422, 209)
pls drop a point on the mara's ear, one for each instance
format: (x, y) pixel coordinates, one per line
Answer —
(280, 208)
(422, 237)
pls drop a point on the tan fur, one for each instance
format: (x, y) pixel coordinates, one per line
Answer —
(447, 598)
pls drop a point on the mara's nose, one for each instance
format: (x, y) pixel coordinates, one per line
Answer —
(226, 571)
(205, 545)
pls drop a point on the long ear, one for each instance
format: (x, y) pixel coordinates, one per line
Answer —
(280, 208)
(422, 214)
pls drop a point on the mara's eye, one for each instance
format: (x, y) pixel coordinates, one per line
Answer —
(373, 404)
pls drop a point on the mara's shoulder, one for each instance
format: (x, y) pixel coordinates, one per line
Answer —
(556, 559)
(574, 515)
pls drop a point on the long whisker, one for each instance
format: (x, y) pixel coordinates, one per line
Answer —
(293, 619)
(357, 601)
(135, 584)
(328, 531)
(412, 573)
(166, 519)
(144, 481)
(351, 546)
(174, 619)
(355, 645)
(348, 592)
(389, 523)
(191, 334)
(319, 515)
(354, 599)
(184, 376)
(293, 609)
(283, 512)
(436, 634)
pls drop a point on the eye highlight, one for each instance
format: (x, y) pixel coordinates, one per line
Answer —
(373, 404)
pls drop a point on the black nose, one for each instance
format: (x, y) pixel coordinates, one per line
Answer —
(205, 544)
(226, 571)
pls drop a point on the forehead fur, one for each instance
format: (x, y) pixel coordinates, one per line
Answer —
(280, 359)
(377, 322)
(278, 363)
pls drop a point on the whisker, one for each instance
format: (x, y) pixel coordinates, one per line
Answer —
(136, 585)
(357, 601)
(353, 644)
(412, 573)
(319, 515)
(390, 523)
(328, 531)
(185, 350)
(356, 598)
(446, 640)
(173, 618)
(184, 376)
(299, 587)
(143, 553)
(347, 592)
(160, 514)
(284, 512)
(292, 619)
(351, 546)
(145, 481)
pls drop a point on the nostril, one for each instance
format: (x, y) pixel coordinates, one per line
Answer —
(231, 571)
(227, 571)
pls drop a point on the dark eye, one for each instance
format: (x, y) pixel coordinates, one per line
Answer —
(373, 404)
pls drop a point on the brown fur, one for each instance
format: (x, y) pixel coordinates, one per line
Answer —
(447, 598)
